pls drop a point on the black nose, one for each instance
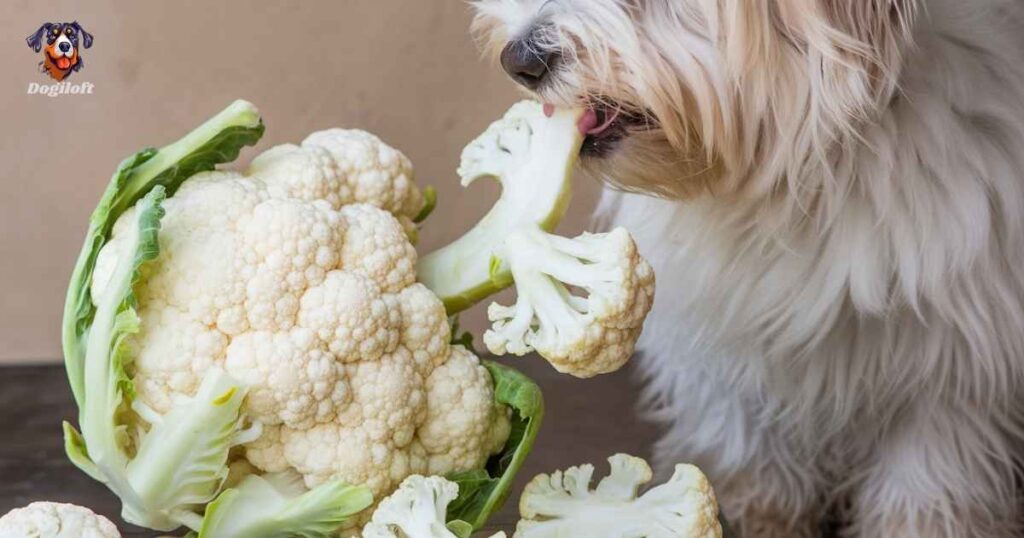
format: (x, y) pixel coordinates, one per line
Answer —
(64, 47)
(525, 64)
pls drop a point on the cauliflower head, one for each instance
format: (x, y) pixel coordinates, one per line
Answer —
(55, 520)
(298, 279)
(562, 504)
(251, 354)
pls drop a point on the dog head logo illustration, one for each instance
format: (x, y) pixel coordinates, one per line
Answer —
(61, 52)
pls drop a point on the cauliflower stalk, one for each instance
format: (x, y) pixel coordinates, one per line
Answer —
(581, 302)
(278, 506)
(271, 321)
(562, 504)
(531, 156)
(55, 520)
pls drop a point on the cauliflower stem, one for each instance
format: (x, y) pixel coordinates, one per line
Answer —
(532, 156)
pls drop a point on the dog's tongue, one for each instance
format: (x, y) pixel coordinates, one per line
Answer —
(590, 123)
(63, 63)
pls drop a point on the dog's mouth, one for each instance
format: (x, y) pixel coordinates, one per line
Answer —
(606, 125)
(62, 62)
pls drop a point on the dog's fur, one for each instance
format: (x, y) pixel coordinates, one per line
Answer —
(838, 231)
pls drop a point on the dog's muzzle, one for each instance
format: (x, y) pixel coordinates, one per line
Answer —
(63, 46)
(527, 62)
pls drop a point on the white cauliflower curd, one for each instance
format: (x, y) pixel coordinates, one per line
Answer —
(270, 322)
(55, 520)
(299, 281)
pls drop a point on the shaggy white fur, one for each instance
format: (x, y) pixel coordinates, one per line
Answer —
(838, 231)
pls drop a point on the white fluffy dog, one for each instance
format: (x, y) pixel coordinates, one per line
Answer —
(832, 194)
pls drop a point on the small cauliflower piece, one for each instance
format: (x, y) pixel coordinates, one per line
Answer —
(415, 510)
(562, 504)
(532, 151)
(580, 335)
(55, 520)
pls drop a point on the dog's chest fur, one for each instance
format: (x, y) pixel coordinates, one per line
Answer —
(910, 291)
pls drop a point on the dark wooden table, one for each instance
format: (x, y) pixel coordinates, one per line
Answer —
(586, 421)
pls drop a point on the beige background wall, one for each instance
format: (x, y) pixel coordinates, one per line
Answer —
(404, 69)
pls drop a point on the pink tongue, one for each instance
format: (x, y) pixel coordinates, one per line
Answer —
(549, 110)
(588, 124)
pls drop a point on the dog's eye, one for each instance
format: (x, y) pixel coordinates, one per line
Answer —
(56, 31)
(69, 30)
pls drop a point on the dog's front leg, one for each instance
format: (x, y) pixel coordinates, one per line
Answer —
(772, 495)
(944, 470)
(767, 481)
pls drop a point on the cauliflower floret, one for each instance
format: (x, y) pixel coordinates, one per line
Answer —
(377, 246)
(368, 443)
(295, 379)
(531, 151)
(292, 246)
(177, 353)
(303, 173)
(562, 504)
(349, 313)
(378, 174)
(582, 336)
(416, 510)
(425, 328)
(201, 250)
(459, 433)
(55, 520)
(266, 453)
(299, 281)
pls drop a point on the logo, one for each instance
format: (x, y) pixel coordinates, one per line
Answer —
(62, 51)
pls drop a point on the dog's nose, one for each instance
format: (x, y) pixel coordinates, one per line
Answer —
(64, 46)
(525, 64)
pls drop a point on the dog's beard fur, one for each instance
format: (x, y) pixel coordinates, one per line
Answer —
(836, 217)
